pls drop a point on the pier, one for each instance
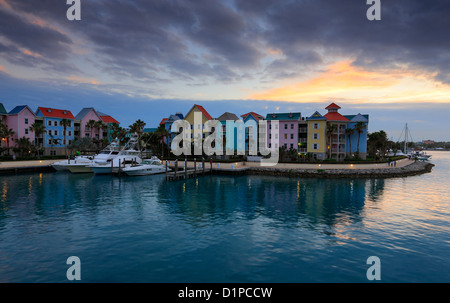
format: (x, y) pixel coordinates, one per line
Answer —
(179, 173)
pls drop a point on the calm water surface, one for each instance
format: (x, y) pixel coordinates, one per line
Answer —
(225, 229)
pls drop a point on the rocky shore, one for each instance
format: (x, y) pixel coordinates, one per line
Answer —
(412, 169)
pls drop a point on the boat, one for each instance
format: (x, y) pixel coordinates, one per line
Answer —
(127, 157)
(419, 154)
(106, 155)
(146, 167)
(63, 165)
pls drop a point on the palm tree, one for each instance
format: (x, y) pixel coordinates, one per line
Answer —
(119, 133)
(38, 129)
(359, 128)
(90, 125)
(138, 128)
(7, 133)
(350, 132)
(65, 123)
(330, 130)
(99, 125)
(162, 133)
(23, 146)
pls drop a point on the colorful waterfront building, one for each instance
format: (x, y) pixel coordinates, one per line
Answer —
(57, 136)
(168, 125)
(252, 118)
(357, 128)
(336, 133)
(20, 119)
(197, 116)
(109, 122)
(317, 144)
(228, 133)
(288, 133)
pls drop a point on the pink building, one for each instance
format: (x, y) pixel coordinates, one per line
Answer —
(84, 116)
(20, 120)
(288, 130)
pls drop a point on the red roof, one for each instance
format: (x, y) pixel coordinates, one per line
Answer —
(333, 105)
(109, 119)
(255, 115)
(204, 112)
(335, 117)
(163, 121)
(56, 113)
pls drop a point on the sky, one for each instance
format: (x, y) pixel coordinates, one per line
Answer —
(147, 59)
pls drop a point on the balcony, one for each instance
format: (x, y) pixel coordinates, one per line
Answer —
(303, 130)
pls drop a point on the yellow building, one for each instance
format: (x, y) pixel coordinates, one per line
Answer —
(317, 141)
(197, 117)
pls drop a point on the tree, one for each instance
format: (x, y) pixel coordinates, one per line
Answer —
(161, 133)
(65, 123)
(119, 133)
(6, 133)
(138, 128)
(377, 143)
(90, 125)
(99, 125)
(330, 130)
(23, 147)
(359, 128)
(349, 132)
(38, 129)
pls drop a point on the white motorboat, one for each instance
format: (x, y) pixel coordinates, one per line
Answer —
(127, 157)
(106, 155)
(146, 167)
(63, 165)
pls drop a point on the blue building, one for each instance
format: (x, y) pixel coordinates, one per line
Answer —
(352, 140)
(56, 139)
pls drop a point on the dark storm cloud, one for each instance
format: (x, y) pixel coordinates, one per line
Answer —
(227, 40)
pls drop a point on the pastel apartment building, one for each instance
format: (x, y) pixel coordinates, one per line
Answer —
(57, 136)
(288, 130)
(20, 119)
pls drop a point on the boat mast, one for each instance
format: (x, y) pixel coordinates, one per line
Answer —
(406, 139)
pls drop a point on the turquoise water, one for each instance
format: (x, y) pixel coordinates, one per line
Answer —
(225, 228)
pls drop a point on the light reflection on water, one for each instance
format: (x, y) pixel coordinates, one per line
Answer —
(225, 228)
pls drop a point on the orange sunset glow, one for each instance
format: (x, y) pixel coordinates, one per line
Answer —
(353, 84)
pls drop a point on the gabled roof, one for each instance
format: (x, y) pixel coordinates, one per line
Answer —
(18, 109)
(256, 116)
(283, 116)
(2, 110)
(84, 112)
(228, 117)
(172, 118)
(333, 105)
(204, 112)
(56, 113)
(109, 119)
(316, 116)
(335, 117)
(357, 118)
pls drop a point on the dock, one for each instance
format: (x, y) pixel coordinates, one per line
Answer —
(185, 172)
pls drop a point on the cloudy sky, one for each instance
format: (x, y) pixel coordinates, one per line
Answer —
(145, 59)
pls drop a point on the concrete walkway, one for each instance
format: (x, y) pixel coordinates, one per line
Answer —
(240, 165)
(21, 164)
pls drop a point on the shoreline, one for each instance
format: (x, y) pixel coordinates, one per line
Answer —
(404, 168)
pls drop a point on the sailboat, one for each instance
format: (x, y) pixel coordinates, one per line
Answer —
(413, 154)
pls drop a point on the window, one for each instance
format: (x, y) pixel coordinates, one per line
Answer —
(70, 133)
(292, 146)
(276, 126)
(270, 126)
(270, 136)
(315, 146)
(53, 153)
(316, 126)
(270, 145)
(292, 126)
(26, 120)
(292, 136)
(49, 132)
(276, 145)
(316, 136)
(56, 132)
(285, 126)
(276, 136)
(285, 136)
(64, 142)
(70, 142)
(49, 141)
(49, 123)
(26, 131)
(55, 123)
